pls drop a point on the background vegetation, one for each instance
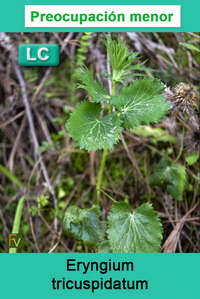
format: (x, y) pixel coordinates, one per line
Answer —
(40, 161)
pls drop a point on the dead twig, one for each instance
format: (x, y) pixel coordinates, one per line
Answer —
(172, 240)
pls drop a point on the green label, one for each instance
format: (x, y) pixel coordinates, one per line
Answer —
(38, 55)
(100, 275)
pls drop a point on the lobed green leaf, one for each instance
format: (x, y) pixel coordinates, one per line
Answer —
(141, 102)
(91, 131)
(121, 59)
(174, 175)
(84, 225)
(95, 90)
(139, 231)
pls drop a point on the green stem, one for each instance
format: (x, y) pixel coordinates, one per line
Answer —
(104, 156)
(17, 220)
(113, 94)
(108, 196)
(100, 175)
(181, 148)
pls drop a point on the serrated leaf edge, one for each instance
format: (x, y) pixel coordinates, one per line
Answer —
(115, 249)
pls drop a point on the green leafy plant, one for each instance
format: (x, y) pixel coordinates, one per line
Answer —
(84, 43)
(171, 174)
(79, 60)
(96, 124)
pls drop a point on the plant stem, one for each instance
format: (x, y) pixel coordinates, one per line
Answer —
(104, 156)
(17, 220)
(113, 94)
(100, 175)
(108, 196)
(181, 148)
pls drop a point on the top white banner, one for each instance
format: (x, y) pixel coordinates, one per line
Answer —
(102, 16)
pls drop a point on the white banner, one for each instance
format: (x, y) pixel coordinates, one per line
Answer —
(102, 16)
